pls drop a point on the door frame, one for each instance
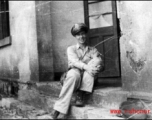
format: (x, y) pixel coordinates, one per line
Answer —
(114, 81)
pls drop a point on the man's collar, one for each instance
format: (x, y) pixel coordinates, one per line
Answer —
(78, 46)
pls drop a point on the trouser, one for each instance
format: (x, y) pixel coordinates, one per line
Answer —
(72, 83)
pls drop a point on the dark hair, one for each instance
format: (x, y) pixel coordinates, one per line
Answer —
(79, 27)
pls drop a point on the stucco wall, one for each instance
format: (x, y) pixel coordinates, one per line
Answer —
(64, 15)
(44, 40)
(135, 44)
(19, 60)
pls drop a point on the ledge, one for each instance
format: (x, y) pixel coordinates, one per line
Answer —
(5, 42)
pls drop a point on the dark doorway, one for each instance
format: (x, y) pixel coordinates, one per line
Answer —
(101, 17)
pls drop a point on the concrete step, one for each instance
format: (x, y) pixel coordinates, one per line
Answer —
(109, 97)
(92, 112)
(99, 103)
(86, 112)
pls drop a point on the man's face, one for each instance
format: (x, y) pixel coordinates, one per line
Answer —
(81, 37)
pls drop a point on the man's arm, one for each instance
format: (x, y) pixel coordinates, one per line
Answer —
(73, 60)
(97, 55)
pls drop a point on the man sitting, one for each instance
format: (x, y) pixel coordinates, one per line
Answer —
(85, 63)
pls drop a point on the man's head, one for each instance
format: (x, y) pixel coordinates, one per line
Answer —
(80, 31)
(79, 27)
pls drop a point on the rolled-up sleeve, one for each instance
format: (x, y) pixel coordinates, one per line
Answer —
(73, 60)
(95, 53)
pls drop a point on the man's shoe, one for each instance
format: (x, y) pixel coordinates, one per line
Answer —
(80, 99)
(55, 114)
(79, 103)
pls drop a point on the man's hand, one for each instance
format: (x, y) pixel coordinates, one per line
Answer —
(91, 70)
(98, 68)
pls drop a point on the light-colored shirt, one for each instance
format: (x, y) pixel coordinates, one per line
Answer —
(75, 55)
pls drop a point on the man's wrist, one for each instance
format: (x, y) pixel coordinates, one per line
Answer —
(84, 66)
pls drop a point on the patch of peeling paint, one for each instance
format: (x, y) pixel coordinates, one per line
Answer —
(136, 65)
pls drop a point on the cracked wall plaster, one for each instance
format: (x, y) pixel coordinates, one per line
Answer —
(138, 65)
(135, 45)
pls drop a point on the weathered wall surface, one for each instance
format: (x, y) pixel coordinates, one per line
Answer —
(19, 60)
(44, 40)
(64, 15)
(135, 44)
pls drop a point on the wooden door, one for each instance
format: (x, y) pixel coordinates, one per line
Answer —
(100, 16)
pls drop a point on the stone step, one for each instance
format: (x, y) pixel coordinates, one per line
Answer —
(24, 111)
(98, 104)
(92, 112)
(109, 97)
(86, 112)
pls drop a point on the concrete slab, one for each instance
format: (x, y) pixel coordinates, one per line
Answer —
(107, 97)
(110, 97)
(98, 104)
(92, 112)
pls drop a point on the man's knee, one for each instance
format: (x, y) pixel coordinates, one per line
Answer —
(95, 62)
(74, 73)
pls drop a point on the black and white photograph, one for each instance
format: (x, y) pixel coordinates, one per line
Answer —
(86, 59)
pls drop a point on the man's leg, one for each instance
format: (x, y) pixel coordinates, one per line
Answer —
(87, 82)
(71, 83)
(87, 85)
